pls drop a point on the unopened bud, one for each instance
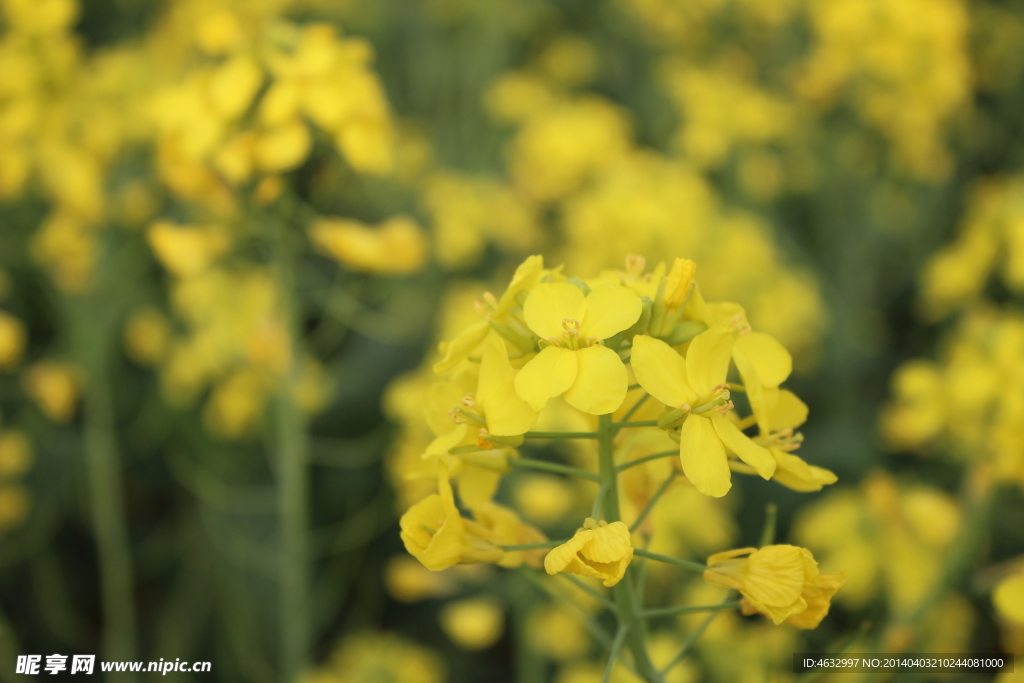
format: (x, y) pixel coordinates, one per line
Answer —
(677, 283)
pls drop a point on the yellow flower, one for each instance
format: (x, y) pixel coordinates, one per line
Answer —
(511, 530)
(786, 414)
(600, 550)
(1008, 598)
(575, 362)
(186, 250)
(283, 148)
(473, 624)
(12, 340)
(147, 336)
(395, 247)
(436, 534)
(696, 386)
(780, 581)
(15, 453)
(14, 505)
(677, 285)
(55, 387)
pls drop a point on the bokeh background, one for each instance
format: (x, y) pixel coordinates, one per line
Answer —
(233, 233)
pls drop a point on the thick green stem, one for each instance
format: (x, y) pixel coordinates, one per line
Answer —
(293, 481)
(108, 517)
(625, 599)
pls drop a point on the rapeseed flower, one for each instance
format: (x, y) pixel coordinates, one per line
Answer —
(598, 549)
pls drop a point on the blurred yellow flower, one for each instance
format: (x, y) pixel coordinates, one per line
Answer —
(186, 250)
(147, 336)
(1008, 597)
(375, 657)
(599, 550)
(394, 247)
(409, 581)
(12, 340)
(474, 623)
(15, 453)
(55, 387)
(14, 505)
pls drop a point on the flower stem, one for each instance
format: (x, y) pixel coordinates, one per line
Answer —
(771, 514)
(652, 502)
(532, 546)
(641, 423)
(532, 464)
(695, 566)
(692, 640)
(674, 611)
(560, 435)
(613, 654)
(636, 406)
(625, 600)
(647, 458)
(605, 602)
(293, 475)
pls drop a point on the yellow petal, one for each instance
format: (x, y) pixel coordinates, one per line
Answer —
(547, 375)
(441, 397)
(793, 473)
(601, 381)
(703, 457)
(1009, 598)
(775, 575)
(609, 544)
(739, 443)
(561, 557)
(770, 359)
(459, 348)
(477, 485)
(526, 276)
(756, 393)
(788, 411)
(611, 308)
(661, 371)
(505, 412)
(707, 360)
(445, 442)
(549, 304)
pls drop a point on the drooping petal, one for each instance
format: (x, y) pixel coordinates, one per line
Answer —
(770, 359)
(703, 457)
(786, 410)
(461, 346)
(793, 473)
(549, 304)
(739, 443)
(601, 381)
(547, 375)
(611, 309)
(661, 371)
(756, 393)
(444, 443)
(775, 576)
(506, 414)
(477, 485)
(707, 360)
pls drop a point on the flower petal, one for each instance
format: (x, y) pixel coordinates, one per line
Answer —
(661, 371)
(549, 304)
(770, 359)
(739, 443)
(707, 359)
(461, 346)
(611, 309)
(506, 414)
(703, 457)
(547, 375)
(785, 411)
(601, 381)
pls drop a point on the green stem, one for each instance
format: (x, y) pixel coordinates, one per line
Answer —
(108, 515)
(674, 611)
(595, 629)
(605, 602)
(695, 566)
(652, 502)
(560, 435)
(771, 514)
(532, 464)
(647, 458)
(293, 479)
(625, 600)
(641, 423)
(692, 640)
(595, 511)
(532, 546)
(613, 654)
(636, 406)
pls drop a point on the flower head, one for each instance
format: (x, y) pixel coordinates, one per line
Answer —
(436, 534)
(599, 549)
(695, 386)
(780, 581)
(575, 363)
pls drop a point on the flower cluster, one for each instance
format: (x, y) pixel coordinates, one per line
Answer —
(560, 358)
